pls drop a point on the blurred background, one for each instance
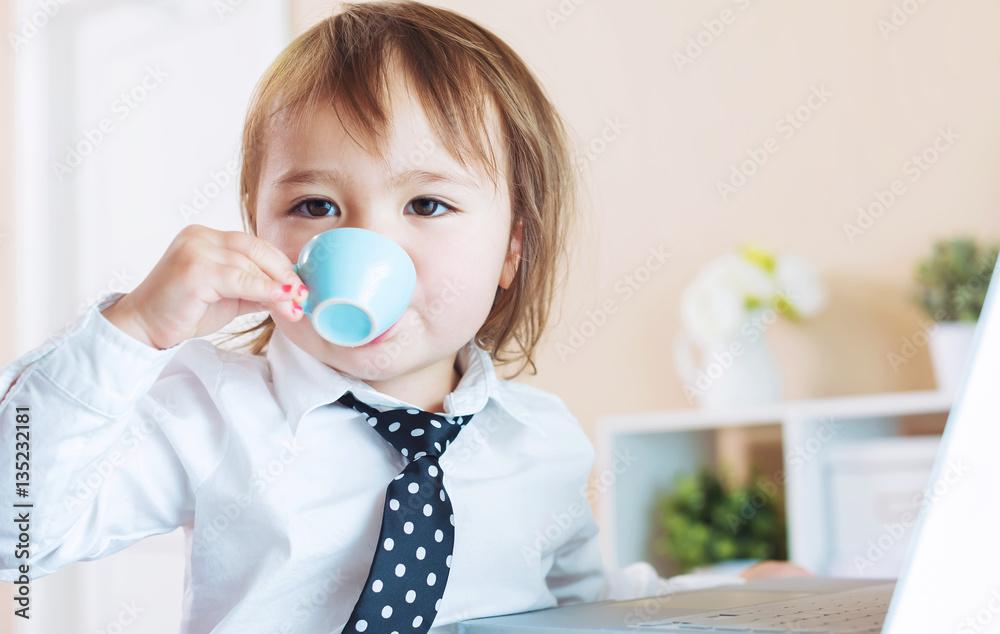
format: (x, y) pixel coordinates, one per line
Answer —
(790, 219)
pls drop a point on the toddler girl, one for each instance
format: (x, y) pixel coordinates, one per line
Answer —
(402, 119)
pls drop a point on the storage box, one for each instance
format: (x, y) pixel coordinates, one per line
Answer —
(875, 488)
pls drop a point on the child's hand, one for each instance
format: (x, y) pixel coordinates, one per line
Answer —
(206, 279)
(769, 568)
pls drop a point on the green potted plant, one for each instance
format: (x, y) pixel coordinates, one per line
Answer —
(705, 521)
(951, 286)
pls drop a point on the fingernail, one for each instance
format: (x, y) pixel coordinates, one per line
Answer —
(296, 308)
(303, 291)
(287, 288)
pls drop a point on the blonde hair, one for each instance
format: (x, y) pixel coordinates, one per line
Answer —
(463, 75)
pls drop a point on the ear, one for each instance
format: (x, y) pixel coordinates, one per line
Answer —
(513, 258)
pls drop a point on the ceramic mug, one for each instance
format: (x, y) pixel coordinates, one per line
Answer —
(359, 282)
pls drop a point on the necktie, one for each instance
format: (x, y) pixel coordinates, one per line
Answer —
(413, 555)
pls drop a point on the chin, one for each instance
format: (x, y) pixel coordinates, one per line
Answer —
(374, 367)
(368, 362)
(402, 352)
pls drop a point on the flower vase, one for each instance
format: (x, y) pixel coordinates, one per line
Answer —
(738, 372)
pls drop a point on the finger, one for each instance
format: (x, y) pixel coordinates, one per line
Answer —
(246, 307)
(229, 257)
(265, 255)
(240, 283)
(235, 259)
(287, 309)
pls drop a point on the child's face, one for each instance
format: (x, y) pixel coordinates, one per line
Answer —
(461, 246)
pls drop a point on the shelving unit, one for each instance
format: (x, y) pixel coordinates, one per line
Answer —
(640, 453)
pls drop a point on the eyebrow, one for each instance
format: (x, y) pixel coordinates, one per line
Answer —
(334, 176)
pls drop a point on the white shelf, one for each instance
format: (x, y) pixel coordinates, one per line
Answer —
(640, 453)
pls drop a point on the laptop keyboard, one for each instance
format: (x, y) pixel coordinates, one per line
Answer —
(861, 610)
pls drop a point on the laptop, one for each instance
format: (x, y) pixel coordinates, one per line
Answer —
(949, 582)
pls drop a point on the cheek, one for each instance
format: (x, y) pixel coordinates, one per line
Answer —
(458, 291)
(288, 244)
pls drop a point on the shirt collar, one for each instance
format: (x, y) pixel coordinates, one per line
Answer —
(302, 382)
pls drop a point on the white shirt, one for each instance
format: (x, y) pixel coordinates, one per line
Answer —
(280, 490)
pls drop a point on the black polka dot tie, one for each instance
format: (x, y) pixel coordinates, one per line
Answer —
(413, 555)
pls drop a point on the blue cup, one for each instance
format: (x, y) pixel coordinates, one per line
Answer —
(359, 282)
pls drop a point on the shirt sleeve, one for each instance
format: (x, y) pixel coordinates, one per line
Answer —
(88, 455)
(578, 573)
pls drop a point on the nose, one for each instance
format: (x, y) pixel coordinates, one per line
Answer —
(378, 220)
(369, 215)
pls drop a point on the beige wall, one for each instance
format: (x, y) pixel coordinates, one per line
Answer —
(655, 184)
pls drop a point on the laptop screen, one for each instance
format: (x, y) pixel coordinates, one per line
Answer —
(950, 581)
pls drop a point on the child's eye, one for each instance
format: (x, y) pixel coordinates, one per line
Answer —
(427, 206)
(319, 208)
(314, 207)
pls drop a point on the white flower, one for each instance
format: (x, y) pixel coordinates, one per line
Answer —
(719, 299)
(796, 278)
(713, 304)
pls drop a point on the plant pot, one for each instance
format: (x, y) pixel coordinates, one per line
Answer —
(721, 380)
(949, 344)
